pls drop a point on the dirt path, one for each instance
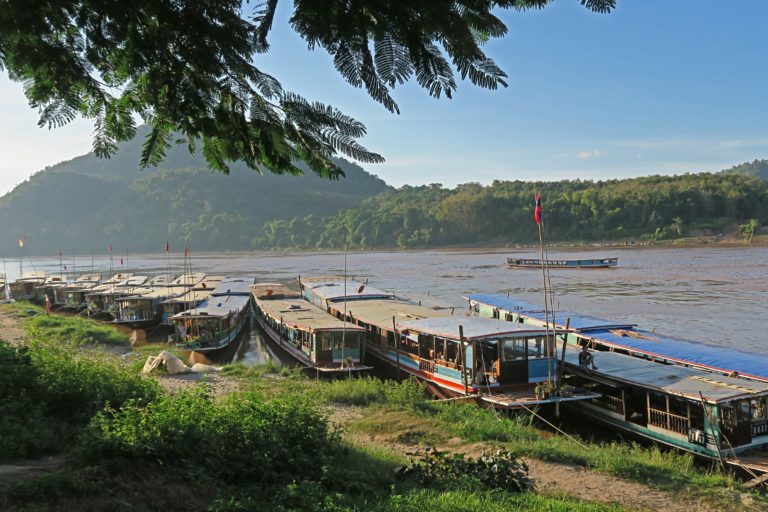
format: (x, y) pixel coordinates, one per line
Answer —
(11, 329)
(552, 477)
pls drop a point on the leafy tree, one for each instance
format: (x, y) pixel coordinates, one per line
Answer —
(187, 67)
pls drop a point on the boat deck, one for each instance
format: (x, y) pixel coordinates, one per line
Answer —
(526, 398)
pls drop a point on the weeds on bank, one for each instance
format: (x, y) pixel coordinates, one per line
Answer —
(405, 413)
(48, 391)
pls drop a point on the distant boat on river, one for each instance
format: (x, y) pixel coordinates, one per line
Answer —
(584, 263)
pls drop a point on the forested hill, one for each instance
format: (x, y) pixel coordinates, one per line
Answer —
(649, 208)
(82, 205)
(757, 168)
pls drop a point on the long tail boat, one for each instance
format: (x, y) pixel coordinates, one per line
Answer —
(305, 334)
(555, 264)
(710, 401)
(218, 320)
(496, 363)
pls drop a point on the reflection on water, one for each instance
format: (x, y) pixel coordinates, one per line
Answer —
(250, 349)
(714, 295)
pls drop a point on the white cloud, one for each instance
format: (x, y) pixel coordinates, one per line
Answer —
(590, 154)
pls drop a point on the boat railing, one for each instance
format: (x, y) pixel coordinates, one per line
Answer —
(612, 403)
(760, 428)
(669, 421)
(426, 365)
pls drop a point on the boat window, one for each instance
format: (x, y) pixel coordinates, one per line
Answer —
(323, 341)
(759, 409)
(513, 349)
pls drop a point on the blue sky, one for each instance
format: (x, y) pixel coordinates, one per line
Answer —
(656, 87)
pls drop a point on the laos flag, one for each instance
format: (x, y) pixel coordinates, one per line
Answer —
(537, 210)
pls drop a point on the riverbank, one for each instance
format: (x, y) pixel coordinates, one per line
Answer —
(168, 450)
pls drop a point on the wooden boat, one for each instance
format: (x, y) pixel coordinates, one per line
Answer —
(500, 364)
(101, 300)
(192, 297)
(71, 297)
(24, 287)
(581, 263)
(709, 415)
(144, 309)
(48, 287)
(625, 338)
(303, 333)
(218, 320)
(686, 404)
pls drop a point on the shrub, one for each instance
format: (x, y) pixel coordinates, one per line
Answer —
(498, 470)
(240, 439)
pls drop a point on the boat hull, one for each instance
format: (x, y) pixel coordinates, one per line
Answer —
(568, 264)
(288, 354)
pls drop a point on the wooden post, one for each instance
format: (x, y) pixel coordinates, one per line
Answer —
(666, 398)
(464, 366)
(648, 408)
(711, 422)
(397, 346)
(565, 342)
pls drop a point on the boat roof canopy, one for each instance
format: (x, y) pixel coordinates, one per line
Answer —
(638, 341)
(578, 322)
(333, 289)
(474, 327)
(667, 378)
(234, 286)
(303, 315)
(380, 312)
(272, 291)
(216, 307)
(188, 279)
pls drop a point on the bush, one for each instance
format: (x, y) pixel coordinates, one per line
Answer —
(47, 394)
(498, 470)
(242, 439)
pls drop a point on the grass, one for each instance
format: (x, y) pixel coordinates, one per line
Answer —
(403, 414)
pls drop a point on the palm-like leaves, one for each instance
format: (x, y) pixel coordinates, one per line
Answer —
(185, 67)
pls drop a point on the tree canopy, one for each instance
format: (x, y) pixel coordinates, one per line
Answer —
(187, 67)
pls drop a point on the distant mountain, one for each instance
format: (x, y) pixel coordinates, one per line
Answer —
(82, 205)
(757, 168)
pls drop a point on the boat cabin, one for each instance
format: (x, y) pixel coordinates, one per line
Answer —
(683, 407)
(192, 297)
(307, 333)
(217, 320)
(479, 352)
(24, 287)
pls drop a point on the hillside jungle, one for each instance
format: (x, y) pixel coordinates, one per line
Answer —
(82, 429)
(82, 205)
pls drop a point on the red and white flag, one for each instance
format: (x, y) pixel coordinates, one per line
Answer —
(167, 247)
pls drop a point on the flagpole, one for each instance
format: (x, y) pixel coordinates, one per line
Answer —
(538, 219)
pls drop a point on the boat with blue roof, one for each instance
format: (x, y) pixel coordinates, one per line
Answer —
(706, 400)
(624, 337)
(503, 365)
(218, 320)
(562, 263)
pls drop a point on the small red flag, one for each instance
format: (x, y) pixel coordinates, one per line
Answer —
(537, 210)
(65, 267)
(167, 247)
(121, 261)
(110, 248)
(186, 250)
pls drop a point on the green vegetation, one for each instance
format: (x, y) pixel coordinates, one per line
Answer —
(112, 202)
(274, 445)
(418, 419)
(650, 208)
(756, 168)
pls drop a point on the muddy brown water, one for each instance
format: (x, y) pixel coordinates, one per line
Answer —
(711, 295)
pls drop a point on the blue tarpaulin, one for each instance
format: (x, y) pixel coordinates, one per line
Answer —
(628, 337)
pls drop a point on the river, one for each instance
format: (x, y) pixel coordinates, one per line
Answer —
(716, 295)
